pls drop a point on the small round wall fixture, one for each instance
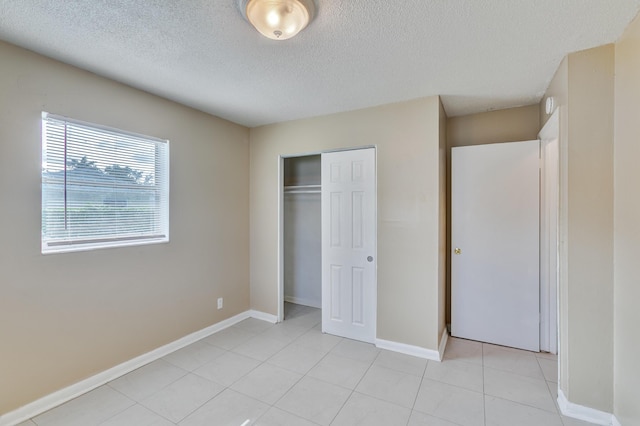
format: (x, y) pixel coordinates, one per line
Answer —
(549, 105)
(278, 19)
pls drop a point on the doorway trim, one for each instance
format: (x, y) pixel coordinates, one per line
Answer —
(281, 158)
(549, 206)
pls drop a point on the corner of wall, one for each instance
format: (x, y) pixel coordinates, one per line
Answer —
(626, 344)
(584, 87)
(442, 223)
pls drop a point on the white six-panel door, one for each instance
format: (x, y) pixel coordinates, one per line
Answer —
(495, 287)
(349, 244)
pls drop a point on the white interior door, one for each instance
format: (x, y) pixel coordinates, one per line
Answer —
(495, 287)
(349, 244)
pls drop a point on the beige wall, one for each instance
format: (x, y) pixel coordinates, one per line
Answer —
(590, 227)
(584, 90)
(65, 317)
(627, 228)
(599, 231)
(506, 125)
(407, 139)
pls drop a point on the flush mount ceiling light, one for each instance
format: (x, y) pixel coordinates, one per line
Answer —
(278, 19)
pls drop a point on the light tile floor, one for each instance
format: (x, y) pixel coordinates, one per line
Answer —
(292, 374)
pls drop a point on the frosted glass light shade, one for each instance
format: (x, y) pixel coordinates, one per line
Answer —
(278, 19)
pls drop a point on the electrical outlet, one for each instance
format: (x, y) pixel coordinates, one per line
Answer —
(220, 302)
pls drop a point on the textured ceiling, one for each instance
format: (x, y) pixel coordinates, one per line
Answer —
(479, 55)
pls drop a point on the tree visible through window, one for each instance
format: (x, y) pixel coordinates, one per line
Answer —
(101, 187)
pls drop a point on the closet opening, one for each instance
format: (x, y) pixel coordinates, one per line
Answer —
(301, 227)
(327, 240)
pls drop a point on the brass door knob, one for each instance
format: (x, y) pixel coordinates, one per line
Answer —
(457, 251)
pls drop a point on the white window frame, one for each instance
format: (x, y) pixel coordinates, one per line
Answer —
(161, 187)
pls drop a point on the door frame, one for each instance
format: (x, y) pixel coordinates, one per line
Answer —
(549, 206)
(281, 158)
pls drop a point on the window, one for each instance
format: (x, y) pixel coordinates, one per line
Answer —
(101, 187)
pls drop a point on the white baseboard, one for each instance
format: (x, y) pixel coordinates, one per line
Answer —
(61, 396)
(303, 301)
(587, 414)
(403, 348)
(417, 351)
(263, 316)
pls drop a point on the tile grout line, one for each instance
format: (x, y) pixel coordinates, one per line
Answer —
(292, 386)
(354, 388)
(118, 413)
(415, 399)
(213, 381)
(261, 362)
(135, 401)
(298, 381)
(523, 376)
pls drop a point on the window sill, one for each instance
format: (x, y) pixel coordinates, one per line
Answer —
(88, 246)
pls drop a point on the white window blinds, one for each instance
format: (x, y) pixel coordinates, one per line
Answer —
(101, 187)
